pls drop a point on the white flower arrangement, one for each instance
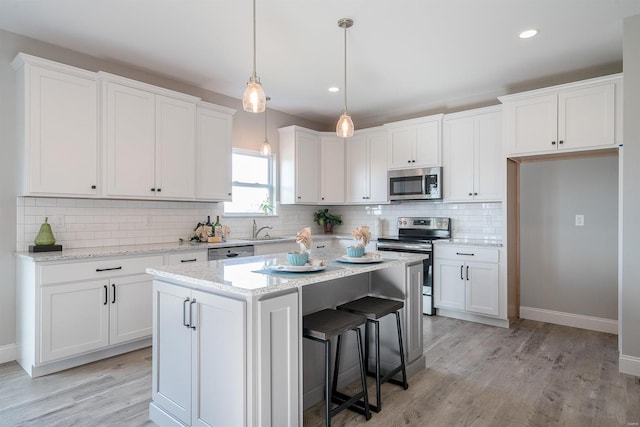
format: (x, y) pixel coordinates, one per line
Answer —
(303, 238)
(362, 235)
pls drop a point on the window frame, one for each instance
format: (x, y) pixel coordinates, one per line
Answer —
(270, 186)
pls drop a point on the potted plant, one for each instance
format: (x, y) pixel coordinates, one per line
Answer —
(327, 220)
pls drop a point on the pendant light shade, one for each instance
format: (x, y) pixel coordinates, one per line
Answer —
(266, 147)
(345, 127)
(254, 99)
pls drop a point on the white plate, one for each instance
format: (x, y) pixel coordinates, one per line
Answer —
(298, 268)
(359, 260)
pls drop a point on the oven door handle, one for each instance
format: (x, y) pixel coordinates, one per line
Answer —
(408, 247)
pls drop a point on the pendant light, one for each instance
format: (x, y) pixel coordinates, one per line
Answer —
(254, 100)
(344, 128)
(266, 147)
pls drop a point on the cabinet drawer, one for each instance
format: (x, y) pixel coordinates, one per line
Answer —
(73, 271)
(186, 257)
(467, 253)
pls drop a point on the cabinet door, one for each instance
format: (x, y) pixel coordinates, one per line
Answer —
(377, 147)
(278, 337)
(175, 153)
(449, 286)
(213, 155)
(481, 281)
(413, 331)
(586, 117)
(171, 379)
(75, 319)
(489, 174)
(61, 133)
(130, 312)
(401, 143)
(357, 169)
(219, 361)
(130, 141)
(307, 167)
(459, 159)
(532, 124)
(427, 147)
(332, 175)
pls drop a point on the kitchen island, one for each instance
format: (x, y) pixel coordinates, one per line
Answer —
(227, 335)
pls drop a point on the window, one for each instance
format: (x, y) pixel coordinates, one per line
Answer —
(253, 187)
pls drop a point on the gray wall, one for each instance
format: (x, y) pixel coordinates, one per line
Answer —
(248, 133)
(630, 292)
(564, 267)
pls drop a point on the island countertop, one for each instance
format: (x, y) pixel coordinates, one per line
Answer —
(254, 276)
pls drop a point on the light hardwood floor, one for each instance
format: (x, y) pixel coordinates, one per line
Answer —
(533, 374)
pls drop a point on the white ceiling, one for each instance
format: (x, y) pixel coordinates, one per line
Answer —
(404, 56)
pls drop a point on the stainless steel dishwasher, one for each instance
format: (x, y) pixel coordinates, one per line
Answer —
(230, 252)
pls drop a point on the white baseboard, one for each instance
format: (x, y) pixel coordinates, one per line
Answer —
(8, 353)
(569, 319)
(629, 365)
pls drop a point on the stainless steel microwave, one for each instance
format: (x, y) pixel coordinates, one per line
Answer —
(415, 184)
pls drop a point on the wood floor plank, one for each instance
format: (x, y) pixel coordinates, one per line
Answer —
(533, 374)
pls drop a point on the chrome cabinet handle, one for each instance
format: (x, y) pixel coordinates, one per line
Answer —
(191, 323)
(184, 313)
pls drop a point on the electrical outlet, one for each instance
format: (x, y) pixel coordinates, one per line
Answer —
(579, 220)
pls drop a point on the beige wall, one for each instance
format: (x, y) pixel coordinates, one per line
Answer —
(630, 290)
(564, 267)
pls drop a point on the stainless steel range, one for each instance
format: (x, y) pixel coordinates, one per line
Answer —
(415, 235)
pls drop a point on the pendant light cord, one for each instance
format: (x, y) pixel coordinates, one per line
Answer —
(345, 68)
(254, 40)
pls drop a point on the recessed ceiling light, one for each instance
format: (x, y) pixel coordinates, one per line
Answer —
(527, 34)
(334, 89)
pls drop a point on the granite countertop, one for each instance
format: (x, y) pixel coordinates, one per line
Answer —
(156, 248)
(469, 242)
(251, 276)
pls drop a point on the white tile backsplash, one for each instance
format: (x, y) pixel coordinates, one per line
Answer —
(80, 223)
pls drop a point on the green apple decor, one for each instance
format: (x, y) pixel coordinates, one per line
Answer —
(45, 235)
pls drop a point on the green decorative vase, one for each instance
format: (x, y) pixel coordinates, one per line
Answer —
(45, 235)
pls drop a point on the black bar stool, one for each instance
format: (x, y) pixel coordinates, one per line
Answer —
(375, 308)
(321, 326)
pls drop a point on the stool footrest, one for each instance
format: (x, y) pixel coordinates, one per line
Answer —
(387, 378)
(353, 403)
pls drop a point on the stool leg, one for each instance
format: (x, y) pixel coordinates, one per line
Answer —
(327, 396)
(366, 346)
(404, 371)
(363, 379)
(378, 406)
(334, 386)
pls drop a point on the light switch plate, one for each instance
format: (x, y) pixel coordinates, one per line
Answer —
(579, 220)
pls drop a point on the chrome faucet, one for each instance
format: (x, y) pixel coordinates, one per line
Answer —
(257, 230)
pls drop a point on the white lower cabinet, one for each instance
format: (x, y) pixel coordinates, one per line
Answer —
(466, 278)
(70, 313)
(209, 371)
(196, 342)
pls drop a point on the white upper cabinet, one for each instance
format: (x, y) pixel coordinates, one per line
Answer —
(367, 166)
(58, 128)
(331, 169)
(577, 116)
(415, 143)
(472, 155)
(150, 141)
(299, 165)
(214, 137)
